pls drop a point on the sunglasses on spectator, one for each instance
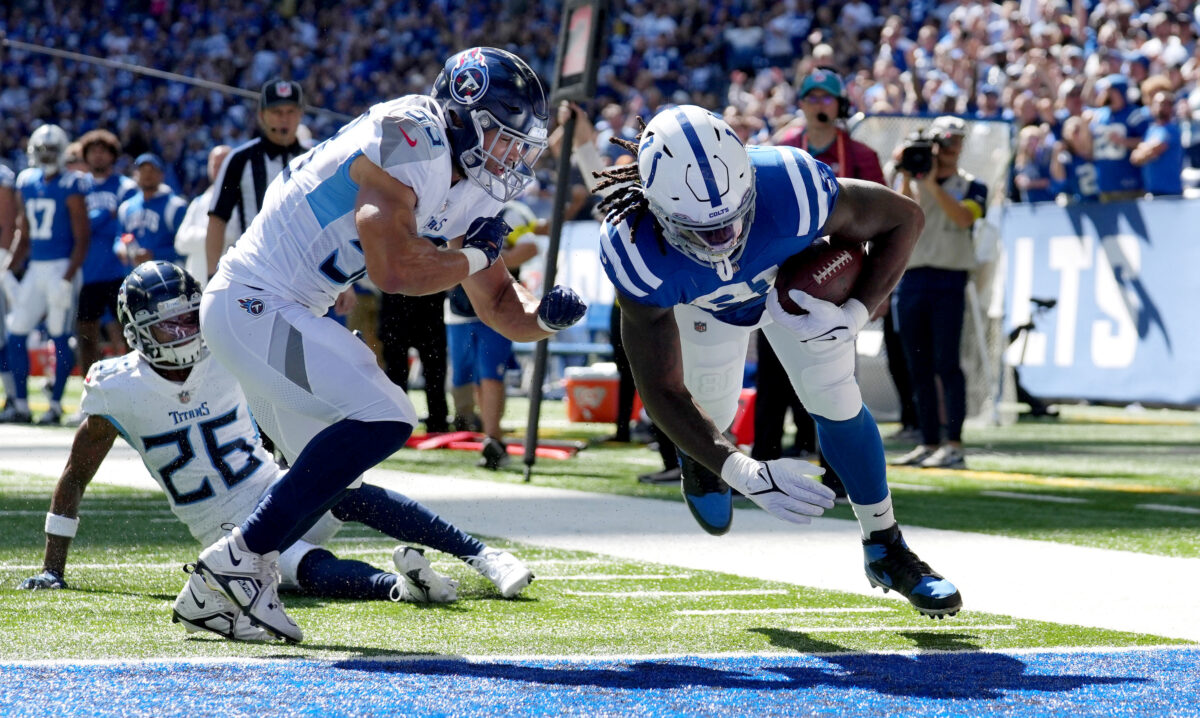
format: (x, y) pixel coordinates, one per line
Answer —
(821, 98)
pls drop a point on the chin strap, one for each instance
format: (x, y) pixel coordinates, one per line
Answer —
(725, 269)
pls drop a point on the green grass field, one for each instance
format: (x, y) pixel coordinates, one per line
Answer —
(125, 564)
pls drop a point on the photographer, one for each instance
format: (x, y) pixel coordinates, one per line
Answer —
(928, 303)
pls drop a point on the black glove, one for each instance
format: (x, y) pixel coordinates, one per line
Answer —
(486, 234)
(560, 308)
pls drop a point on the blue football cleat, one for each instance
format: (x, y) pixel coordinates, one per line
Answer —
(891, 565)
(707, 495)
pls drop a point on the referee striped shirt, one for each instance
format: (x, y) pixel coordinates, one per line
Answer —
(244, 177)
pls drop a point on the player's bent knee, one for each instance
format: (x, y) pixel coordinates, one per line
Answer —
(835, 396)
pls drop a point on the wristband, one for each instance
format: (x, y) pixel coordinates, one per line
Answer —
(64, 526)
(546, 327)
(476, 260)
(738, 469)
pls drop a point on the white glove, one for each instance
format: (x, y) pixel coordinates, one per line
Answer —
(825, 323)
(784, 488)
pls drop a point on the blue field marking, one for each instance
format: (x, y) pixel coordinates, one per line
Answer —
(1150, 682)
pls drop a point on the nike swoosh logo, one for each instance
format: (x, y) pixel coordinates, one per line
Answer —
(881, 513)
(232, 560)
(411, 141)
(199, 603)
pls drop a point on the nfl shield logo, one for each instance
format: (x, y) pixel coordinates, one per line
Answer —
(283, 89)
(185, 396)
(700, 327)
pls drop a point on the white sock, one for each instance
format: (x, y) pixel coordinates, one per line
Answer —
(10, 384)
(874, 517)
(21, 404)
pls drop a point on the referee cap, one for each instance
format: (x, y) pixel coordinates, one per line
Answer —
(280, 92)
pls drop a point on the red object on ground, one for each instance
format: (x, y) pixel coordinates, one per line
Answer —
(542, 452)
(743, 420)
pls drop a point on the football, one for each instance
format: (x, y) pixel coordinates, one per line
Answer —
(824, 270)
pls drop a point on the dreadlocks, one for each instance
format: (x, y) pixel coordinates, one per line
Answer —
(626, 197)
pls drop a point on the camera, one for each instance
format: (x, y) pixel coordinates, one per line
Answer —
(916, 154)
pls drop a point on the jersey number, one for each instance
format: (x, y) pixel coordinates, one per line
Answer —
(40, 212)
(217, 453)
(330, 267)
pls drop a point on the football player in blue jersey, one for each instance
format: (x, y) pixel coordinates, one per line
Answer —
(53, 229)
(188, 419)
(406, 194)
(694, 236)
(8, 282)
(102, 269)
(150, 218)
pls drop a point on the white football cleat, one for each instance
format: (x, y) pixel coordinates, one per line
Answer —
(417, 582)
(199, 608)
(503, 569)
(249, 580)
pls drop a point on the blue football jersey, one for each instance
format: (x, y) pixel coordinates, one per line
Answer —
(153, 222)
(45, 203)
(102, 263)
(795, 196)
(1114, 171)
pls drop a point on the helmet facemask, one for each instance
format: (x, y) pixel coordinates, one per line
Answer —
(169, 338)
(707, 243)
(47, 149)
(502, 165)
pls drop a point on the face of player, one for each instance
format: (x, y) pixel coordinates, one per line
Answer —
(281, 122)
(505, 151)
(148, 177)
(99, 158)
(175, 329)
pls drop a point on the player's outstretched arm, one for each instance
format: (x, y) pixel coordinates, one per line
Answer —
(92, 442)
(81, 230)
(870, 212)
(504, 304)
(399, 260)
(651, 340)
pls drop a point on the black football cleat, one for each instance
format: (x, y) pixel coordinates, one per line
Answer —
(891, 565)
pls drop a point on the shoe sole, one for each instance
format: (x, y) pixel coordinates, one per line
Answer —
(515, 589)
(223, 586)
(932, 613)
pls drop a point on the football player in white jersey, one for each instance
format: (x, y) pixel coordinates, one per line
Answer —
(693, 239)
(188, 419)
(407, 194)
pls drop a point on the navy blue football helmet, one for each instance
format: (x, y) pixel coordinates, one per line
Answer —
(158, 305)
(485, 89)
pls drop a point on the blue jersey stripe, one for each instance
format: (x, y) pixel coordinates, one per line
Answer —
(335, 196)
(706, 170)
(810, 188)
(614, 252)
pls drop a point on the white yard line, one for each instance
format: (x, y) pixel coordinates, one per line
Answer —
(1033, 497)
(1168, 508)
(903, 629)
(675, 594)
(1039, 580)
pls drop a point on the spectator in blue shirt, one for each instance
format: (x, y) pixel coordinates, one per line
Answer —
(1072, 172)
(1116, 127)
(1160, 154)
(150, 218)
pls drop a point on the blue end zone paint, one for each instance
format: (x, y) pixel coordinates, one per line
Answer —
(1136, 682)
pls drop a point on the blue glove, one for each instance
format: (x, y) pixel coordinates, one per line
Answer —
(47, 579)
(560, 308)
(484, 240)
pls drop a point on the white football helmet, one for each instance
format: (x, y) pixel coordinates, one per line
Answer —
(47, 149)
(699, 183)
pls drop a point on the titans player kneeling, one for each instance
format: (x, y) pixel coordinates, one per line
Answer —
(188, 419)
(693, 239)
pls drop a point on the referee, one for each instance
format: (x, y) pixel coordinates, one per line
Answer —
(245, 174)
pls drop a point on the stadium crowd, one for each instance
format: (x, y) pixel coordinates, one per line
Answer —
(1035, 63)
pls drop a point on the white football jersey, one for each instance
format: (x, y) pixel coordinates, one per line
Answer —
(197, 438)
(304, 244)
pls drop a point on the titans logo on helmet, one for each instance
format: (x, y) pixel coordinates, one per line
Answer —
(469, 78)
(252, 305)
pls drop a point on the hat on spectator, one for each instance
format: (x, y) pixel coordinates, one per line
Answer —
(149, 158)
(948, 126)
(1115, 81)
(988, 88)
(280, 92)
(822, 79)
